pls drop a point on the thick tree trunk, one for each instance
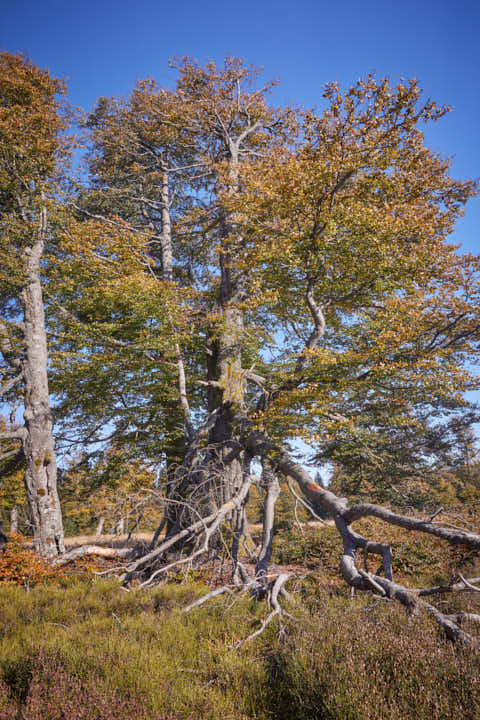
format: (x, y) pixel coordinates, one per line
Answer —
(13, 520)
(38, 443)
(230, 378)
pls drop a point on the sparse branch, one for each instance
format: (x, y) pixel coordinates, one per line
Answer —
(6, 348)
(319, 325)
(10, 384)
(454, 536)
(454, 587)
(214, 519)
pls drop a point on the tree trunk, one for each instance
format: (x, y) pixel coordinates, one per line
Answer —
(230, 377)
(99, 528)
(13, 520)
(120, 526)
(272, 487)
(38, 443)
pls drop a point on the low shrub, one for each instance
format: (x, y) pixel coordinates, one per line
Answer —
(81, 648)
(20, 565)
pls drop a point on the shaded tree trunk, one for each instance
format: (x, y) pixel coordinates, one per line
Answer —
(230, 378)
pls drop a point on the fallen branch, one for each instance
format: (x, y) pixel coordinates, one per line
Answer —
(91, 550)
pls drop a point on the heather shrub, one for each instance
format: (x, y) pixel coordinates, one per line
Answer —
(8, 707)
(56, 694)
(371, 663)
(81, 648)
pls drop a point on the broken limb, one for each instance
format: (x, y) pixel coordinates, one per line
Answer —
(261, 446)
(97, 550)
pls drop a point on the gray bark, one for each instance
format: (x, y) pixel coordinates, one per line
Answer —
(38, 443)
(228, 376)
(99, 528)
(13, 520)
(120, 526)
(273, 491)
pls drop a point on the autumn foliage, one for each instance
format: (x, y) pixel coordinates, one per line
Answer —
(20, 565)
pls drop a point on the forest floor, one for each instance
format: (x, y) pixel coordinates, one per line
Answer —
(120, 540)
(76, 646)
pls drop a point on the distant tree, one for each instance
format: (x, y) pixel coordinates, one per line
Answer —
(112, 494)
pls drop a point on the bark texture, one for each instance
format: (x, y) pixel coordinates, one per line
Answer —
(37, 438)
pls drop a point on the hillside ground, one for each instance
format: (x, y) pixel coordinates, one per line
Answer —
(76, 645)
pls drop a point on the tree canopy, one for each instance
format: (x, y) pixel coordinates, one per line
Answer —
(223, 277)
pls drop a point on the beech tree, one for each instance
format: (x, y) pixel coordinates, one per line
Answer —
(32, 150)
(271, 273)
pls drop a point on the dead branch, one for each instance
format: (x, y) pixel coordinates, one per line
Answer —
(209, 596)
(208, 525)
(260, 445)
(453, 587)
(91, 550)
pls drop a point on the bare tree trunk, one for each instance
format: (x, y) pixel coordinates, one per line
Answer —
(13, 520)
(99, 528)
(38, 443)
(120, 526)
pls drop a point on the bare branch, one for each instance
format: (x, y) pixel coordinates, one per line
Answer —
(10, 384)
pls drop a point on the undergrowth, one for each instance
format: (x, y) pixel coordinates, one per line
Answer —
(73, 647)
(86, 650)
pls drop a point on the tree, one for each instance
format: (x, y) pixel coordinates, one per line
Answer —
(31, 126)
(112, 494)
(309, 252)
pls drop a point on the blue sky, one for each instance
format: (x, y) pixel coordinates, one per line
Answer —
(103, 46)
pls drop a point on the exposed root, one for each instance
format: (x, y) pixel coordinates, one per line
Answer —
(209, 596)
(277, 611)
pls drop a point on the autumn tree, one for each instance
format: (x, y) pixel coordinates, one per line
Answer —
(109, 493)
(31, 127)
(309, 253)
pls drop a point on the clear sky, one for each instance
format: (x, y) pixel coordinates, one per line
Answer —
(102, 46)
